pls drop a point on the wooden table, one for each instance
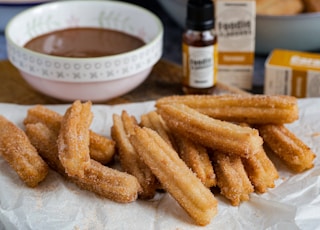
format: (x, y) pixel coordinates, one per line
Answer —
(164, 80)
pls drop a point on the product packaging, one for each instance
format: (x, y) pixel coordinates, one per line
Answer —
(236, 26)
(292, 73)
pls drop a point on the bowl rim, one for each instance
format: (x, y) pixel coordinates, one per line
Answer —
(301, 16)
(75, 2)
(21, 2)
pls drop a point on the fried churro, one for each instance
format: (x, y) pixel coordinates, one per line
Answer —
(40, 113)
(219, 135)
(196, 199)
(102, 149)
(44, 140)
(261, 171)
(155, 122)
(287, 146)
(73, 140)
(102, 180)
(195, 156)
(197, 159)
(130, 161)
(110, 183)
(231, 177)
(252, 109)
(279, 8)
(21, 155)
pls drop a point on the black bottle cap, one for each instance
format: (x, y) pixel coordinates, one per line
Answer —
(200, 15)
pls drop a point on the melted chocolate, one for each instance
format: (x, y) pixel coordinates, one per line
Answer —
(84, 42)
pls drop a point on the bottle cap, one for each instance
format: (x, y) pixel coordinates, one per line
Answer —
(200, 15)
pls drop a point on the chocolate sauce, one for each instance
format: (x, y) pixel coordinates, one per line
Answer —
(84, 42)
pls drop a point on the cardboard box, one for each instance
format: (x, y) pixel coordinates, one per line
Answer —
(236, 27)
(292, 73)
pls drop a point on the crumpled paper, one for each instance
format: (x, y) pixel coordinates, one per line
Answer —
(56, 204)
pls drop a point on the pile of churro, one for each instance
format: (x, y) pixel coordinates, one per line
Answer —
(195, 147)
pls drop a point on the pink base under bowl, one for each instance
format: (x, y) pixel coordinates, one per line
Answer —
(93, 91)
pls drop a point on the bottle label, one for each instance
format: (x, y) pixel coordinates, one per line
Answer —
(199, 66)
(236, 25)
(236, 29)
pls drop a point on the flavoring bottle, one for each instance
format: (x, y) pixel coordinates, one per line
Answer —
(199, 48)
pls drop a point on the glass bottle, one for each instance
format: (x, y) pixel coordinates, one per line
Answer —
(199, 49)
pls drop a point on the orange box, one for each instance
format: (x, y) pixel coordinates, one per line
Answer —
(235, 26)
(292, 73)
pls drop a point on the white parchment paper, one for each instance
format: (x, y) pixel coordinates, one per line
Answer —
(56, 204)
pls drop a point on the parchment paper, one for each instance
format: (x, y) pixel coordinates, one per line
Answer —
(56, 204)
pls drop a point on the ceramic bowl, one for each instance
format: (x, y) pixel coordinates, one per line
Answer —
(95, 79)
(298, 32)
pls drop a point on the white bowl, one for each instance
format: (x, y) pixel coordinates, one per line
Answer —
(299, 32)
(95, 79)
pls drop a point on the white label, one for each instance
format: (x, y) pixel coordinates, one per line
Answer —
(298, 60)
(237, 75)
(201, 66)
(236, 25)
(313, 84)
(278, 81)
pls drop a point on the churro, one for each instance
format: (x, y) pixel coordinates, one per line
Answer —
(276, 8)
(155, 122)
(252, 109)
(102, 180)
(312, 5)
(287, 146)
(73, 140)
(102, 149)
(216, 134)
(195, 156)
(130, 161)
(40, 113)
(197, 159)
(44, 140)
(231, 177)
(261, 171)
(174, 175)
(21, 155)
(110, 183)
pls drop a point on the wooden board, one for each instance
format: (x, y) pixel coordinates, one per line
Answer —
(164, 80)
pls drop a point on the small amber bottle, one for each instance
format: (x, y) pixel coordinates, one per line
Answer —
(199, 49)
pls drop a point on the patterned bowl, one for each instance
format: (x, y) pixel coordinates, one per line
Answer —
(95, 79)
